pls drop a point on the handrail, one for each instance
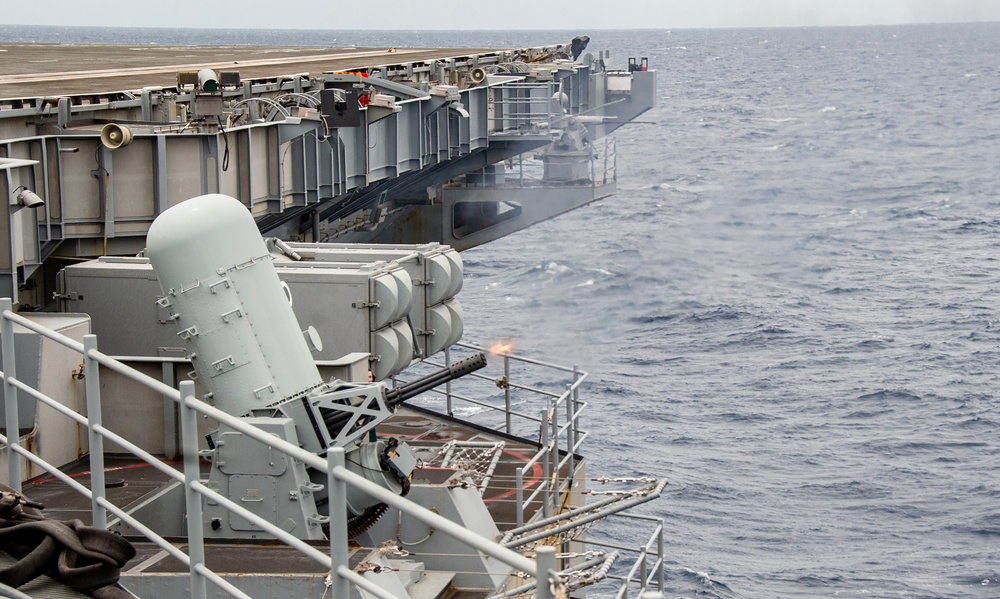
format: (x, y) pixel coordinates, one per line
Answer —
(546, 421)
(549, 432)
(339, 478)
(558, 444)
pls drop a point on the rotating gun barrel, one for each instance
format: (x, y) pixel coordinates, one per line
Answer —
(396, 396)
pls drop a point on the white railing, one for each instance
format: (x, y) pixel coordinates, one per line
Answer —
(338, 477)
(558, 443)
(527, 172)
(554, 438)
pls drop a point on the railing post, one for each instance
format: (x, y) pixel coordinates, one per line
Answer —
(575, 428)
(447, 385)
(554, 417)
(606, 147)
(643, 570)
(570, 474)
(659, 557)
(615, 161)
(337, 507)
(192, 473)
(10, 397)
(506, 389)
(547, 497)
(593, 173)
(92, 377)
(519, 493)
(546, 563)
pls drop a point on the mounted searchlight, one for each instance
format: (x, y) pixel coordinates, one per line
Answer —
(208, 81)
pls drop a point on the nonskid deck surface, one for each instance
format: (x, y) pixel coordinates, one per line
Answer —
(128, 480)
(40, 70)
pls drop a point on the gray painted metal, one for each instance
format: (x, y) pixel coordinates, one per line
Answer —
(224, 297)
(441, 526)
(435, 270)
(334, 289)
(459, 501)
(193, 488)
(269, 484)
(45, 432)
(27, 348)
(273, 151)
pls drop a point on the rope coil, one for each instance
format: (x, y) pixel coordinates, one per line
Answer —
(85, 558)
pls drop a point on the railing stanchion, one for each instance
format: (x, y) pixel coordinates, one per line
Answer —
(659, 557)
(570, 438)
(546, 563)
(10, 396)
(606, 150)
(519, 493)
(556, 487)
(547, 497)
(615, 161)
(92, 378)
(447, 386)
(575, 428)
(593, 173)
(338, 522)
(643, 570)
(506, 388)
(192, 473)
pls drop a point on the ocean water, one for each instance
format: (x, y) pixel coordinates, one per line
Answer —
(791, 309)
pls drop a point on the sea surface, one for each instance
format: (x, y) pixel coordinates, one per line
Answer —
(791, 309)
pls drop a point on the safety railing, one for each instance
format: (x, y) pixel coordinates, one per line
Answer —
(559, 440)
(647, 571)
(524, 107)
(342, 577)
(526, 172)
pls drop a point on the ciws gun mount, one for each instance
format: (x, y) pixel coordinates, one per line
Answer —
(253, 360)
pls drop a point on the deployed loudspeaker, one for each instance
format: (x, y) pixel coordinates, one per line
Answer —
(477, 75)
(115, 136)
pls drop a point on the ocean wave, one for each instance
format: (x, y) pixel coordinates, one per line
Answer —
(720, 313)
(988, 525)
(705, 585)
(889, 395)
(654, 319)
(977, 225)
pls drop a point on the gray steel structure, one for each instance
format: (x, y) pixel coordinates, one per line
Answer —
(336, 288)
(400, 146)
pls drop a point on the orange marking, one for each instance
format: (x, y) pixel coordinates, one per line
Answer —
(536, 476)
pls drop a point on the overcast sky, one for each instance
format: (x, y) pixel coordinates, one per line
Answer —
(512, 14)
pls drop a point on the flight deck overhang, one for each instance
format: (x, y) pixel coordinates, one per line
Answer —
(346, 145)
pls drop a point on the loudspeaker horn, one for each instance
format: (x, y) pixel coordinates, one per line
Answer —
(115, 136)
(477, 75)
